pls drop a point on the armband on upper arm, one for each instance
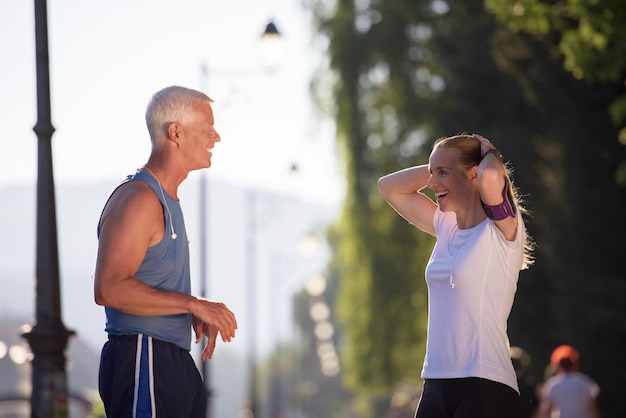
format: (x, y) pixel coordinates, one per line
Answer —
(504, 209)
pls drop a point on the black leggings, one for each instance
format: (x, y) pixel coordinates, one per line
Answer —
(470, 397)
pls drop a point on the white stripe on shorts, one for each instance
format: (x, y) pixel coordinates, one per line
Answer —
(138, 373)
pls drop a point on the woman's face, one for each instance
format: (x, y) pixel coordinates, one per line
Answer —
(449, 180)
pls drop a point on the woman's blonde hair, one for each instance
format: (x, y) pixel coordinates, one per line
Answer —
(470, 155)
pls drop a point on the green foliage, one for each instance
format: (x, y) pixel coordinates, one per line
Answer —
(97, 410)
(406, 73)
(376, 290)
(591, 36)
(591, 32)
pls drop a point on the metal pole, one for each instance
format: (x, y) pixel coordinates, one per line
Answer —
(48, 336)
(204, 250)
(252, 298)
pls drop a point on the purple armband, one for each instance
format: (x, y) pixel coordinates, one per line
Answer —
(504, 209)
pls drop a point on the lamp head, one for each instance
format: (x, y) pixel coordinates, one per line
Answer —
(270, 29)
(271, 47)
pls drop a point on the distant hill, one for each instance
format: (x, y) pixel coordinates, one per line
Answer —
(249, 230)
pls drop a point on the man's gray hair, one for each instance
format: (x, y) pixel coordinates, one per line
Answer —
(171, 104)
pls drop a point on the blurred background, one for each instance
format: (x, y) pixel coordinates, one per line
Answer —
(287, 227)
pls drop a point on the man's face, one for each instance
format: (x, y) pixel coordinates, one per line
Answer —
(200, 136)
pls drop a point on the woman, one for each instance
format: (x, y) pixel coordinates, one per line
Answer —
(569, 393)
(472, 274)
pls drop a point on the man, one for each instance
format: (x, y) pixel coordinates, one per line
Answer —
(142, 273)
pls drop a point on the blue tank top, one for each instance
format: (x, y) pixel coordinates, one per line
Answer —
(165, 267)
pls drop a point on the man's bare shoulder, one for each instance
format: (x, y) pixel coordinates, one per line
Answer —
(132, 197)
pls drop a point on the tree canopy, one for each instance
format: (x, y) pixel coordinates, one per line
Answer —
(591, 35)
(402, 73)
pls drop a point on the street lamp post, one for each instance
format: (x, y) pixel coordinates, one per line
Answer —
(271, 41)
(251, 296)
(270, 44)
(48, 336)
(204, 192)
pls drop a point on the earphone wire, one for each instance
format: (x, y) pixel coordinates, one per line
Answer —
(173, 235)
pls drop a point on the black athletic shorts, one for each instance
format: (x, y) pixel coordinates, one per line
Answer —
(144, 377)
(470, 397)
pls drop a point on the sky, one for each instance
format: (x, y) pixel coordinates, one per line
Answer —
(108, 58)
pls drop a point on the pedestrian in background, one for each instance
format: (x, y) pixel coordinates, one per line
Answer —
(569, 393)
(529, 402)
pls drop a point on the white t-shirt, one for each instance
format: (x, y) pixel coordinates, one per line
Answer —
(472, 279)
(571, 394)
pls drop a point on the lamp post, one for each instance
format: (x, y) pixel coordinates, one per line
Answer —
(270, 49)
(204, 191)
(48, 336)
(251, 295)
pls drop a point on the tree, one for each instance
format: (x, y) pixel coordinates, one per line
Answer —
(381, 283)
(590, 34)
(407, 72)
(580, 265)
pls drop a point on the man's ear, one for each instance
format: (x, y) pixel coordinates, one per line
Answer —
(174, 132)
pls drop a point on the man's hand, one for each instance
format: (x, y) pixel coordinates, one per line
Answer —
(211, 318)
(201, 329)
